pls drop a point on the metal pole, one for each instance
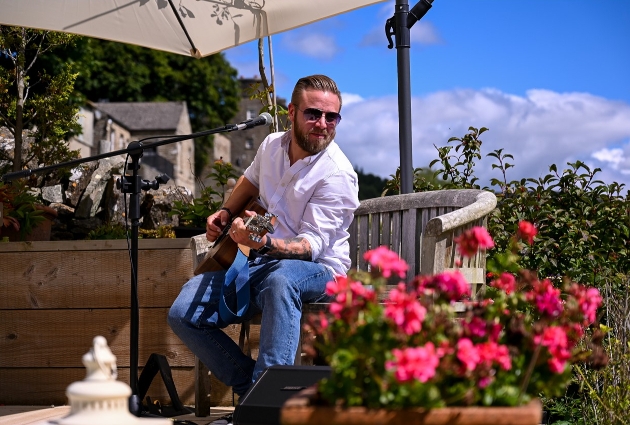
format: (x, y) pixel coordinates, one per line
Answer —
(134, 188)
(403, 44)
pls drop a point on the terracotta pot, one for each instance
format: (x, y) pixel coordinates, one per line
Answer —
(298, 410)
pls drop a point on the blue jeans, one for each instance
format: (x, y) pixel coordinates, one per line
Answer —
(278, 289)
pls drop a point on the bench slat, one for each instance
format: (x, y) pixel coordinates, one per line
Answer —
(410, 240)
(387, 230)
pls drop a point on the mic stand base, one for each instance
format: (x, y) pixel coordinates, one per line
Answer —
(135, 405)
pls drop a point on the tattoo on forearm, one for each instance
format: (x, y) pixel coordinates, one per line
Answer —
(295, 248)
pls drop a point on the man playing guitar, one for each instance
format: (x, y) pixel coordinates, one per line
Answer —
(303, 178)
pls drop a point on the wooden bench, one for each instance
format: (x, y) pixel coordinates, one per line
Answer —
(420, 227)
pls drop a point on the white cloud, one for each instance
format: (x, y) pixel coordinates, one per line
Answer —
(539, 129)
(350, 98)
(316, 45)
(612, 156)
(424, 32)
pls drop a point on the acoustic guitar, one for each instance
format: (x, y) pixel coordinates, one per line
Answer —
(222, 253)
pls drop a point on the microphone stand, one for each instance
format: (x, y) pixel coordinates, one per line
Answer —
(132, 185)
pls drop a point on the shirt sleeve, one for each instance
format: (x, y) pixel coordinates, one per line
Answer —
(329, 212)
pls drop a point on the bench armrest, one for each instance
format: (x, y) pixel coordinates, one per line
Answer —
(485, 203)
(439, 253)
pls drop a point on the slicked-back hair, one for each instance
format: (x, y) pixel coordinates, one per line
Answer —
(315, 82)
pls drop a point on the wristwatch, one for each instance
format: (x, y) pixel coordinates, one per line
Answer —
(266, 247)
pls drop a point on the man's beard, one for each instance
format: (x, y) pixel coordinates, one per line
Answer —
(301, 137)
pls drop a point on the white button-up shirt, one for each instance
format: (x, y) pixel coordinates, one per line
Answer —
(315, 198)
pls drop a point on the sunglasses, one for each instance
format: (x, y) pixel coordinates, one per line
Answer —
(314, 114)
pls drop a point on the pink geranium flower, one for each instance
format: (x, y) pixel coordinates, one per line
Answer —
(323, 321)
(556, 340)
(490, 352)
(546, 297)
(412, 344)
(387, 261)
(414, 363)
(484, 382)
(506, 282)
(472, 240)
(527, 231)
(592, 301)
(468, 354)
(452, 284)
(405, 310)
(589, 301)
(349, 297)
(339, 285)
(476, 327)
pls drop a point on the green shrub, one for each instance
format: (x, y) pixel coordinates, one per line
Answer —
(119, 231)
(18, 202)
(583, 233)
(583, 224)
(195, 213)
(109, 231)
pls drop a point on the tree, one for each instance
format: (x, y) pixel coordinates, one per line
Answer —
(423, 179)
(127, 73)
(370, 185)
(35, 100)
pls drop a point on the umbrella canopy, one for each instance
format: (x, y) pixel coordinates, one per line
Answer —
(188, 27)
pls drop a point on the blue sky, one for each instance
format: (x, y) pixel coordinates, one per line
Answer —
(549, 78)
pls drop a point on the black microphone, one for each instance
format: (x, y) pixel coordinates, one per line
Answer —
(262, 119)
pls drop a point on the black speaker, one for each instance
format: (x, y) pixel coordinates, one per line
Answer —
(261, 404)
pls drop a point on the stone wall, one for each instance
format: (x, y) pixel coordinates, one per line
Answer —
(91, 198)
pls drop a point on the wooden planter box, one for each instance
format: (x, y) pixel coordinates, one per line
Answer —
(55, 297)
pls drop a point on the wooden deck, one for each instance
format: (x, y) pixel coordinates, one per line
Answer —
(31, 415)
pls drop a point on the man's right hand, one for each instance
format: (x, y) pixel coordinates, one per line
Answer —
(215, 224)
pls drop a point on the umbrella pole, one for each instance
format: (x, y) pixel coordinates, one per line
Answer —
(402, 22)
(403, 45)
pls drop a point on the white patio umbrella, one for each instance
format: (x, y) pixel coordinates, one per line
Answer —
(188, 27)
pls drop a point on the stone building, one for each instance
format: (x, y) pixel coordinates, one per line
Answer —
(240, 147)
(111, 126)
(245, 143)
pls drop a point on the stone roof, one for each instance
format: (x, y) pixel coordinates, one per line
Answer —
(142, 116)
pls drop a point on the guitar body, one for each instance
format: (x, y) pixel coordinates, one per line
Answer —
(223, 252)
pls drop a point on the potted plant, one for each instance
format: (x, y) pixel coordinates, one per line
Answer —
(412, 356)
(23, 217)
(193, 214)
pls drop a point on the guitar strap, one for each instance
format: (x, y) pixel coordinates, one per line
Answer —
(237, 274)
